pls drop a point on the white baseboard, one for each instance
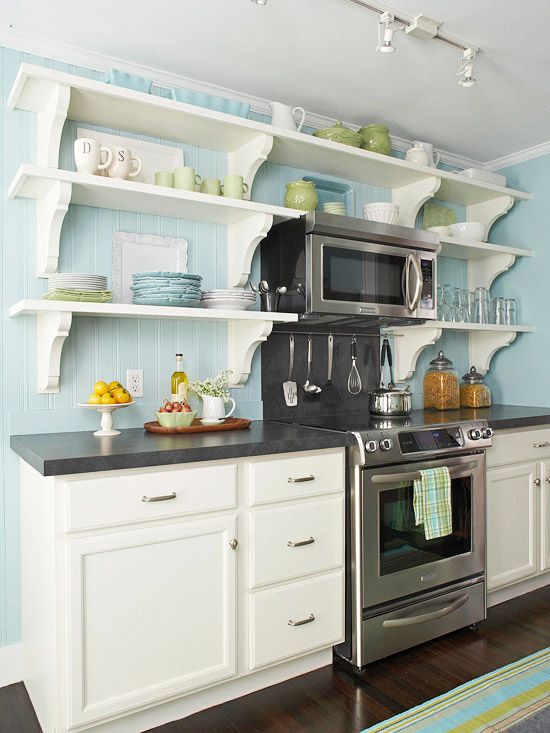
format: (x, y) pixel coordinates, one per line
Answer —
(11, 664)
(517, 589)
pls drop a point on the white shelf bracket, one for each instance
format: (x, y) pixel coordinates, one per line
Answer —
(485, 344)
(246, 160)
(489, 211)
(411, 197)
(242, 240)
(410, 343)
(244, 337)
(49, 126)
(50, 213)
(51, 331)
(482, 272)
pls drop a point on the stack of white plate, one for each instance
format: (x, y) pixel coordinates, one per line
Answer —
(381, 211)
(77, 281)
(232, 299)
(335, 207)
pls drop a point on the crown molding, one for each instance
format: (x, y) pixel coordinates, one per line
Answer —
(522, 155)
(97, 62)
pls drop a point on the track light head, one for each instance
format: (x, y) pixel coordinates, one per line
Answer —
(260, 2)
(385, 44)
(466, 70)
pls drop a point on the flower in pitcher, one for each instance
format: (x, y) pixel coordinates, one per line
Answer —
(213, 387)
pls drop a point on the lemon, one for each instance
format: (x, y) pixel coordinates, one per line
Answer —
(108, 399)
(115, 385)
(100, 388)
(94, 399)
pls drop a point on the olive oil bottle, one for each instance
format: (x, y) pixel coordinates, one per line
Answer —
(179, 381)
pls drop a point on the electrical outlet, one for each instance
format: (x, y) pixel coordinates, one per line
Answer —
(134, 382)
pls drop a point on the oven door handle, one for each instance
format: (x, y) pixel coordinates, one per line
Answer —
(391, 478)
(394, 623)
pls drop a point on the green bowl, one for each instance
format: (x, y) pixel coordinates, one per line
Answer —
(176, 419)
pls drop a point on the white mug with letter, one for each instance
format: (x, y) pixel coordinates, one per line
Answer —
(283, 116)
(213, 409)
(88, 154)
(124, 165)
(433, 155)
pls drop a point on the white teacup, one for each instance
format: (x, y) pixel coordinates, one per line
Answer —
(88, 154)
(213, 408)
(124, 164)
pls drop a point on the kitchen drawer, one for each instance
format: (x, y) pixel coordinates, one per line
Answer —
(518, 446)
(318, 602)
(97, 502)
(296, 476)
(296, 540)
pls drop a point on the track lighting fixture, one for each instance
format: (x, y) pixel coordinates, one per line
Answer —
(385, 43)
(466, 69)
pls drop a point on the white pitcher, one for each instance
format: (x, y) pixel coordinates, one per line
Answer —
(283, 116)
(213, 408)
(432, 154)
(418, 156)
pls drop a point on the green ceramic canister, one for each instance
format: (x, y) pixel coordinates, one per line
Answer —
(376, 138)
(301, 195)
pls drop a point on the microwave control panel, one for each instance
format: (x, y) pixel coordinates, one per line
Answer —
(427, 299)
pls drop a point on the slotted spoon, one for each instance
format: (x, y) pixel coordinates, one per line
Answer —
(354, 380)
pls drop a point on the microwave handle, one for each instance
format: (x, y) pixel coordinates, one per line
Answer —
(405, 281)
(414, 264)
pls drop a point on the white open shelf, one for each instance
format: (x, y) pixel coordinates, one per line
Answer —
(246, 330)
(54, 189)
(56, 96)
(484, 341)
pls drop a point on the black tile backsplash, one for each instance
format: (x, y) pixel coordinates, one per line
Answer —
(275, 363)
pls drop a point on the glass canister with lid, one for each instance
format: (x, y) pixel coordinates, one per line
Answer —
(441, 386)
(473, 390)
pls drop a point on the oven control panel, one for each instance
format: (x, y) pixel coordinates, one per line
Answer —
(435, 439)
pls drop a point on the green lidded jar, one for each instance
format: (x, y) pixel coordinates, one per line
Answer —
(376, 138)
(301, 195)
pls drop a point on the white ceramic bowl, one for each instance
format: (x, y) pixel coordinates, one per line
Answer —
(381, 212)
(442, 231)
(472, 231)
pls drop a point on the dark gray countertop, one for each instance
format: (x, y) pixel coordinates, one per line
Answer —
(57, 454)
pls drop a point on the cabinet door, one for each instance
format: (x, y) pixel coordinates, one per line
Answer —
(545, 516)
(511, 524)
(152, 614)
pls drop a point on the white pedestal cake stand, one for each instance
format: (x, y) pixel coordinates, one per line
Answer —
(106, 412)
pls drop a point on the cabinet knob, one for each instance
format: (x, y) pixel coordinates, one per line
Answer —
(541, 445)
(537, 482)
(234, 544)
(547, 479)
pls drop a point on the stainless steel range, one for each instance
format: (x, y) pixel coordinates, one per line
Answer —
(403, 589)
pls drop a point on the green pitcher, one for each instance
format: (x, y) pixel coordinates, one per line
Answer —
(301, 195)
(376, 138)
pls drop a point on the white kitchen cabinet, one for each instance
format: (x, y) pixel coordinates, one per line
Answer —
(545, 516)
(512, 496)
(152, 613)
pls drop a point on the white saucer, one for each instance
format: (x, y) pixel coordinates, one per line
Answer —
(212, 421)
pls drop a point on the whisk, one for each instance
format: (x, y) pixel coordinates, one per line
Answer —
(354, 379)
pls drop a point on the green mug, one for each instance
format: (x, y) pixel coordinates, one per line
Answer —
(211, 186)
(164, 178)
(234, 187)
(186, 178)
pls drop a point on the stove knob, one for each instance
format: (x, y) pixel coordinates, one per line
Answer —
(488, 433)
(386, 444)
(475, 434)
(371, 446)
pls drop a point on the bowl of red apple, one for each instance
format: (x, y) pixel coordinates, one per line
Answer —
(176, 414)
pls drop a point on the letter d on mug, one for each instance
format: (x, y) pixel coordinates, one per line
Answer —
(88, 155)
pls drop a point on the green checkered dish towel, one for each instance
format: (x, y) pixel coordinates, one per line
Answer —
(432, 502)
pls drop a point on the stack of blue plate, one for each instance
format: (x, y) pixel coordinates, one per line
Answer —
(166, 288)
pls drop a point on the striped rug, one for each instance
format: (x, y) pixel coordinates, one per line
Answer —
(515, 698)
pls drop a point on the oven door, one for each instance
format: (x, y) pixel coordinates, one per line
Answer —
(397, 559)
(355, 277)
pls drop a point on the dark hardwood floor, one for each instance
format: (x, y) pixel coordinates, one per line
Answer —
(331, 700)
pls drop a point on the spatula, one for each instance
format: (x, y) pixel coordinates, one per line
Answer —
(290, 389)
(330, 392)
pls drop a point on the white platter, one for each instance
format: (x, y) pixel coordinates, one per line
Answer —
(143, 253)
(154, 157)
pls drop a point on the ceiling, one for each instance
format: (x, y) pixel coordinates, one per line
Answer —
(321, 54)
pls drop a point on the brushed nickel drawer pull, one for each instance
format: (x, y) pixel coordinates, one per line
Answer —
(166, 497)
(303, 621)
(301, 479)
(541, 445)
(300, 543)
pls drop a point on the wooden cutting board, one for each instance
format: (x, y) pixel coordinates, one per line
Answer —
(231, 423)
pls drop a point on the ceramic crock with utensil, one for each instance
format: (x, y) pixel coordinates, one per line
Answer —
(389, 401)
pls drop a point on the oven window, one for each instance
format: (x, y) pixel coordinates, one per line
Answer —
(403, 545)
(351, 275)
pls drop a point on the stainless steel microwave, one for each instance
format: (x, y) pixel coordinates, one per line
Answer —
(336, 265)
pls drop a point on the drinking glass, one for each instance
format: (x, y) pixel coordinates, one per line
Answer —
(468, 305)
(481, 314)
(510, 313)
(443, 308)
(498, 311)
(456, 306)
